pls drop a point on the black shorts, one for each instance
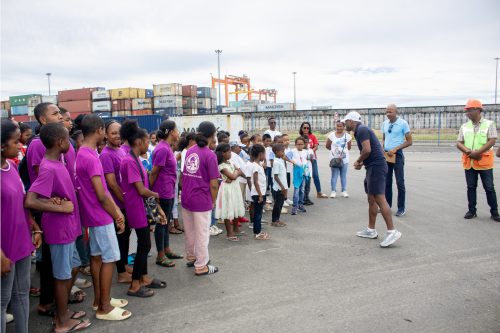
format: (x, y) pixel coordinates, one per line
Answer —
(375, 179)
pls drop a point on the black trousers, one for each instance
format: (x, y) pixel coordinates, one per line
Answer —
(46, 276)
(123, 244)
(471, 177)
(141, 256)
(279, 200)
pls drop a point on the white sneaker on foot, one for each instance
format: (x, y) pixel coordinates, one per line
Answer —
(286, 204)
(9, 318)
(288, 201)
(390, 238)
(345, 194)
(212, 231)
(333, 195)
(365, 233)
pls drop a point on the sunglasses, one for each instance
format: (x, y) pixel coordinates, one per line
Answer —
(390, 128)
(305, 127)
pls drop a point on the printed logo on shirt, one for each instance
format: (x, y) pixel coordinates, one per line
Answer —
(192, 163)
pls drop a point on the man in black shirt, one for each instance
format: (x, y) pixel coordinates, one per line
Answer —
(372, 157)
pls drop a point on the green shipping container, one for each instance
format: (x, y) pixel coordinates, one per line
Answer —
(21, 99)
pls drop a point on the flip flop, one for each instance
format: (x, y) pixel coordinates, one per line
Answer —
(164, 262)
(173, 255)
(115, 302)
(35, 292)
(157, 284)
(179, 228)
(82, 324)
(174, 231)
(211, 270)
(76, 315)
(233, 239)
(83, 284)
(143, 292)
(116, 314)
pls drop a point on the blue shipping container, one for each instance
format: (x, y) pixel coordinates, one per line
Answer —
(149, 93)
(204, 111)
(203, 92)
(19, 110)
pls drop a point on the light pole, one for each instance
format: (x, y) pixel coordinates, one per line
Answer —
(496, 79)
(294, 92)
(218, 70)
(48, 79)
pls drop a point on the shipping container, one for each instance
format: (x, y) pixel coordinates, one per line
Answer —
(214, 103)
(189, 91)
(103, 114)
(101, 106)
(5, 105)
(142, 112)
(121, 105)
(141, 104)
(162, 102)
(76, 94)
(49, 99)
(171, 89)
(22, 118)
(204, 111)
(77, 106)
(124, 93)
(100, 95)
(4, 113)
(206, 92)
(204, 103)
(247, 109)
(229, 110)
(19, 110)
(189, 102)
(190, 112)
(276, 107)
(171, 112)
(121, 113)
(149, 93)
(21, 99)
(34, 100)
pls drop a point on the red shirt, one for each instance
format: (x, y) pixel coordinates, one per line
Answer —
(313, 141)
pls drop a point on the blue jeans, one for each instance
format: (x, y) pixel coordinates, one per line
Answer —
(83, 249)
(162, 239)
(398, 170)
(342, 172)
(269, 177)
(257, 213)
(214, 220)
(298, 194)
(315, 172)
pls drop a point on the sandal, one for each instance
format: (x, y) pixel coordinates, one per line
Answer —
(35, 292)
(76, 315)
(164, 262)
(115, 302)
(211, 270)
(157, 284)
(83, 284)
(173, 255)
(77, 297)
(191, 263)
(174, 231)
(82, 324)
(85, 270)
(143, 292)
(278, 224)
(115, 314)
(233, 239)
(181, 229)
(263, 236)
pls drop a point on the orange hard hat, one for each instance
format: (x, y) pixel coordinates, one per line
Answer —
(473, 104)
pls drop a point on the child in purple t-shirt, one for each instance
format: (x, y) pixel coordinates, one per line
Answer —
(97, 211)
(60, 223)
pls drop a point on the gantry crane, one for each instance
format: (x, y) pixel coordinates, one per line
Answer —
(242, 86)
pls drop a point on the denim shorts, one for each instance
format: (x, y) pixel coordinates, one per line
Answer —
(103, 242)
(375, 179)
(64, 258)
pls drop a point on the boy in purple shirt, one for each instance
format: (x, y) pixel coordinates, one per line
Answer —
(97, 212)
(60, 223)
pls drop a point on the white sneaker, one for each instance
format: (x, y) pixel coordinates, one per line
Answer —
(284, 210)
(286, 204)
(365, 233)
(333, 195)
(345, 194)
(212, 231)
(9, 318)
(390, 238)
(288, 201)
(219, 230)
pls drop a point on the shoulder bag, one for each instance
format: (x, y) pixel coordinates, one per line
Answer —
(338, 162)
(150, 204)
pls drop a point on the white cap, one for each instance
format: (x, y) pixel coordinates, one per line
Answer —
(353, 115)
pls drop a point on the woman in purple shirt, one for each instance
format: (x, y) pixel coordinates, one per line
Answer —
(16, 228)
(134, 180)
(162, 179)
(199, 192)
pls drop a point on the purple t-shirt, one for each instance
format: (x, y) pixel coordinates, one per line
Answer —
(15, 228)
(129, 172)
(110, 160)
(54, 181)
(165, 159)
(91, 211)
(126, 149)
(36, 152)
(200, 167)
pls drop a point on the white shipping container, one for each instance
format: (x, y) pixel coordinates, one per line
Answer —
(247, 109)
(34, 100)
(275, 107)
(229, 110)
(204, 103)
(49, 99)
(141, 104)
(162, 102)
(171, 89)
(100, 94)
(104, 106)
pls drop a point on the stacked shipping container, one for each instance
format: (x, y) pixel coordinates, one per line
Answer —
(101, 103)
(189, 100)
(207, 101)
(77, 101)
(122, 101)
(167, 99)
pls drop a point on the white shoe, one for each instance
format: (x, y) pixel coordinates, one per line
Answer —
(288, 201)
(390, 238)
(219, 230)
(345, 194)
(82, 283)
(284, 210)
(212, 231)
(269, 201)
(9, 318)
(286, 204)
(333, 195)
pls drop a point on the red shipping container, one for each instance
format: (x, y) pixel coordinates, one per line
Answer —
(23, 118)
(121, 105)
(142, 112)
(77, 106)
(76, 94)
(189, 91)
(76, 114)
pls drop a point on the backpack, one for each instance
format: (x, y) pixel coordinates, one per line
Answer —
(23, 166)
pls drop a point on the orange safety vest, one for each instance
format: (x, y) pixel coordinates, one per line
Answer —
(474, 141)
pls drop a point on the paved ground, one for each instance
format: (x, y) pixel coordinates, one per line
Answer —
(317, 276)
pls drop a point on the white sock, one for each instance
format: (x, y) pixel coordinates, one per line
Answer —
(370, 230)
(391, 231)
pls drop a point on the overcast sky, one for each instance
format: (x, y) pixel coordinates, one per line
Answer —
(346, 53)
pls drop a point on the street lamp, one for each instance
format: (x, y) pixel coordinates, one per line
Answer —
(496, 79)
(294, 91)
(48, 79)
(218, 70)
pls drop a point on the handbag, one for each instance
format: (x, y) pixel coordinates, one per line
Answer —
(338, 162)
(150, 204)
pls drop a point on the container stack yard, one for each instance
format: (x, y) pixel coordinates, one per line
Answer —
(189, 100)
(167, 100)
(101, 103)
(206, 100)
(77, 101)
(122, 100)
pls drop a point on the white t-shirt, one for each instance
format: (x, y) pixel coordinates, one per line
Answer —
(269, 156)
(310, 155)
(279, 169)
(272, 133)
(240, 164)
(262, 181)
(300, 158)
(336, 150)
(289, 166)
(183, 159)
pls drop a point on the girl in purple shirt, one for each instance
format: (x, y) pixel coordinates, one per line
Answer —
(162, 179)
(135, 188)
(16, 228)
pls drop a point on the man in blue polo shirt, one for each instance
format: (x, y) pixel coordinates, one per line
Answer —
(396, 136)
(372, 157)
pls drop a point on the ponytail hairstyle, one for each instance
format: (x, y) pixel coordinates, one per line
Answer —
(220, 150)
(131, 131)
(165, 128)
(206, 130)
(184, 140)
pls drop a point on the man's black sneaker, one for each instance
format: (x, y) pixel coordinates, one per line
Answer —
(308, 203)
(470, 215)
(495, 218)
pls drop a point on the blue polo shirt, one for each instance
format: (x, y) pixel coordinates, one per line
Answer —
(398, 130)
